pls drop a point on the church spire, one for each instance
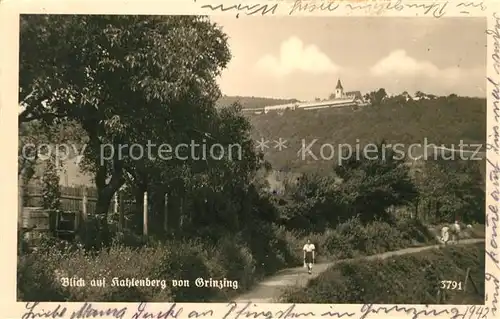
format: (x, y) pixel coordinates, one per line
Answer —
(339, 85)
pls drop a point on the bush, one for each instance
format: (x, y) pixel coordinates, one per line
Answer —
(236, 261)
(398, 280)
(40, 272)
(414, 230)
(352, 238)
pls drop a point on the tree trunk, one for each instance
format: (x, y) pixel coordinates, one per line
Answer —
(166, 200)
(157, 211)
(104, 198)
(174, 207)
(139, 207)
(105, 193)
(417, 202)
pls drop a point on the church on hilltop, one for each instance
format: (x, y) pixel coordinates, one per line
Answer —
(340, 94)
(339, 90)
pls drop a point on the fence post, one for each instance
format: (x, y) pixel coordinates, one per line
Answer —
(116, 209)
(145, 214)
(466, 279)
(20, 202)
(84, 204)
(165, 214)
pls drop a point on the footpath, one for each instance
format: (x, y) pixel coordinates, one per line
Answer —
(271, 288)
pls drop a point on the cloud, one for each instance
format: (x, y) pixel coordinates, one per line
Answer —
(398, 71)
(399, 63)
(295, 56)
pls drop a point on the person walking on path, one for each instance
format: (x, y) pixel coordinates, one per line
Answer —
(309, 256)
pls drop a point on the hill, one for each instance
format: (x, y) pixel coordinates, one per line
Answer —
(250, 102)
(446, 121)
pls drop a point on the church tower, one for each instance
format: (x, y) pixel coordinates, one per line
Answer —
(339, 90)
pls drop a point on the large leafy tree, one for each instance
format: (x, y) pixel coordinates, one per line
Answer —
(449, 190)
(119, 77)
(371, 184)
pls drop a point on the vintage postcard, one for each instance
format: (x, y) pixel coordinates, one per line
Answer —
(281, 159)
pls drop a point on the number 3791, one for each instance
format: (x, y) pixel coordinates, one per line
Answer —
(450, 285)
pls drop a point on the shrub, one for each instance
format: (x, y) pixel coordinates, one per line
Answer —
(40, 272)
(353, 239)
(414, 230)
(237, 262)
(382, 237)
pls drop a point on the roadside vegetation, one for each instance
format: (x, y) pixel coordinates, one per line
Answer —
(408, 279)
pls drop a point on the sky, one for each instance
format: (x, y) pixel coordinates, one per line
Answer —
(303, 57)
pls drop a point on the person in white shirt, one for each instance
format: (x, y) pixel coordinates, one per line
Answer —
(309, 257)
(445, 234)
(453, 231)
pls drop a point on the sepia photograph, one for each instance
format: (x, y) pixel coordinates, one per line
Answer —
(311, 159)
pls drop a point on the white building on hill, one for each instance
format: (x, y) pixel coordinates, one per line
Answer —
(281, 107)
(337, 100)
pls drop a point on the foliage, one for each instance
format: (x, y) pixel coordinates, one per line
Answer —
(408, 279)
(352, 238)
(451, 190)
(371, 184)
(376, 98)
(362, 186)
(39, 271)
(112, 75)
(51, 190)
(406, 123)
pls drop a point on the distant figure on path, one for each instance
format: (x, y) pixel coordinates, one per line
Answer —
(456, 232)
(453, 231)
(309, 250)
(445, 234)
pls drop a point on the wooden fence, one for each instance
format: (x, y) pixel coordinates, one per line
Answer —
(72, 198)
(82, 200)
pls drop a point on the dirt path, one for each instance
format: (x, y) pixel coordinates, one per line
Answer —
(271, 288)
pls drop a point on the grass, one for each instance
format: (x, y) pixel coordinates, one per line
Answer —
(408, 279)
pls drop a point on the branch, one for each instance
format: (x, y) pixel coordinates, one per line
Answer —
(27, 97)
(27, 116)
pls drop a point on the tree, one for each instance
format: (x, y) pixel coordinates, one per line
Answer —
(51, 192)
(118, 77)
(420, 95)
(376, 97)
(450, 190)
